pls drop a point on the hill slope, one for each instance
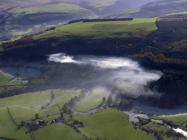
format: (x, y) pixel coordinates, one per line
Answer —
(158, 44)
(21, 20)
(161, 8)
(20, 17)
(108, 29)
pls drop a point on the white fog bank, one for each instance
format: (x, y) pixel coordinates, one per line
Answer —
(122, 74)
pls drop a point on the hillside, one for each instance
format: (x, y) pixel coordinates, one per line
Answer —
(68, 128)
(93, 70)
(19, 17)
(161, 8)
(95, 33)
(111, 29)
(24, 17)
(151, 41)
(51, 8)
(19, 20)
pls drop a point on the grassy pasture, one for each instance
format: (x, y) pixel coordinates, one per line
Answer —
(57, 132)
(108, 124)
(5, 79)
(111, 125)
(155, 127)
(178, 119)
(108, 29)
(8, 82)
(24, 107)
(91, 101)
(178, 13)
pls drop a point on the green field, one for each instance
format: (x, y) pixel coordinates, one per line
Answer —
(24, 107)
(178, 13)
(50, 8)
(182, 119)
(5, 79)
(111, 125)
(8, 82)
(58, 132)
(15, 38)
(108, 29)
(155, 127)
(91, 101)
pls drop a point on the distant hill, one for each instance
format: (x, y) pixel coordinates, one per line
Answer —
(96, 5)
(33, 18)
(20, 17)
(161, 8)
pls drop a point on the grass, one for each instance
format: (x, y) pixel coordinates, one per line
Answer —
(111, 125)
(112, 29)
(178, 119)
(31, 103)
(6, 80)
(57, 132)
(102, 124)
(161, 129)
(50, 8)
(168, 138)
(91, 101)
(15, 38)
(178, 13)
(8, 129)
(24, 107)
(156, 127)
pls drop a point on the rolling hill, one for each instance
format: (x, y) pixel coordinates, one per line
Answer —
(19, 17)
(161, 8)
(108, 29)
(38, 100)
(31, 19)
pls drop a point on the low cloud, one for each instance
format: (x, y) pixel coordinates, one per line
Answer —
(120, 74)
